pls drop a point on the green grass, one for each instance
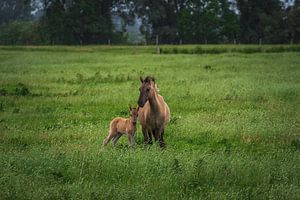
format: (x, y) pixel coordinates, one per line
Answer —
(218, 49)
(234, 131)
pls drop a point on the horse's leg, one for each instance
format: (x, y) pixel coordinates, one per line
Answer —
(161, 141)
(155, 134)
(145, 133)
(150, 133)
(116, 138)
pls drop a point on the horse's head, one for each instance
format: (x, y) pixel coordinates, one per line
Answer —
(133, 114)
(147, 90)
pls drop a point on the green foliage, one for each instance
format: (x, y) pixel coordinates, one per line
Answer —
(22, 90)
(83, 22)
(3, 92)
(261, 20)
(174, 22)
(15, 10)
(189, 21)
(207, 21)
(293, 22)
(20, 32)
(213, 49)
(233, 132)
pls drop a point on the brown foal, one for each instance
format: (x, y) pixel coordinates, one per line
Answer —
(119, 126)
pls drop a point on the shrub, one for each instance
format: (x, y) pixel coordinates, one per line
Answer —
(207, 67)
(20, 32)
(294, 48)
(3, 92)
(175, 50)
(215, 51)
(250, 50)
(275, 49)
(295, 143)
(22, 90)
(198, 50)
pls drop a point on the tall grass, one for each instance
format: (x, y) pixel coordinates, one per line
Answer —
(233, 134)
(218, 49)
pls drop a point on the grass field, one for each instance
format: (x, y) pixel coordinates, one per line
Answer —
(234, 131)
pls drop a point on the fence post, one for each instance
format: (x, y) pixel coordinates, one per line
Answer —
(157, 47)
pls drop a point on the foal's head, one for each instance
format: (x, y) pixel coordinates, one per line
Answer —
(133, 114)
(147, 90)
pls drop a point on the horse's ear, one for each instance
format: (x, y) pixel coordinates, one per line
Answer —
(141, 78)
(130, 108)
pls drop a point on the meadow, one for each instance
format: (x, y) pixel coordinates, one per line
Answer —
(234, 131)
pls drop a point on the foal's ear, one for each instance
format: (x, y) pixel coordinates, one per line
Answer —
(141, 79)
(156, 87)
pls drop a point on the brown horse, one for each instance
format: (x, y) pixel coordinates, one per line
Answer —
(119, 126)
(154, 113)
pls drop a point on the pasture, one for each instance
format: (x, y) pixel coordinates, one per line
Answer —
(234, 131)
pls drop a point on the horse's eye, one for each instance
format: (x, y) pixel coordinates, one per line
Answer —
(148, 89)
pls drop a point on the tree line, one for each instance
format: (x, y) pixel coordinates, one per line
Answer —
(163, 21)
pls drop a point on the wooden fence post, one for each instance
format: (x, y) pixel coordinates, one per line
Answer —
(157, 47)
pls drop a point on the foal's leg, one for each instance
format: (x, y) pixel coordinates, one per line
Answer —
(130, 139)
(108, 138)
(116, 138)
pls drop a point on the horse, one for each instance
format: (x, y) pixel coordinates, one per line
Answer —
(154, 113)
(119, 126)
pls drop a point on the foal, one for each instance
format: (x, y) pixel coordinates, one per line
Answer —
(119, 126)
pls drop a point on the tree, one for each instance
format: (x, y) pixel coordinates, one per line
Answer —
(207, 21)
(19, 32)
(90, 21)
(261, 20)
(159, 17)
(229, 22)
(77, 21)
(12, 10)
(187, 20)
(54, 20)
(293, 22)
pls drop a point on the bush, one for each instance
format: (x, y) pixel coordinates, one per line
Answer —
(275, 49)
(198, 50)
(184, 51)
(22, 90)
(175, 50)
(215, 51)
(3, 92)
(19, 33)
(250, 50)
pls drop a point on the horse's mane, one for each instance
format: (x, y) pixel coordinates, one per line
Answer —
(148, 79)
